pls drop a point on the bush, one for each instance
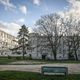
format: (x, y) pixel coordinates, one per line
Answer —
(18, 58)
(9, 57)
(30, 56)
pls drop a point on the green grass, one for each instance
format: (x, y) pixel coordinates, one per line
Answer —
(64, 61)
(58, 61)
(17, 75)
(5, 60)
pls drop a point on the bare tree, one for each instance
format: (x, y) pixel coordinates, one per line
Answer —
(72, 41)
(49, 25)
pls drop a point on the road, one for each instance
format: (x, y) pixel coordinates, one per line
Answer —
(72, 68)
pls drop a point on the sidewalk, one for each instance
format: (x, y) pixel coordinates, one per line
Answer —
(72, 68)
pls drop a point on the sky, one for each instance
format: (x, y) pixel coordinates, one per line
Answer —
(14, 13)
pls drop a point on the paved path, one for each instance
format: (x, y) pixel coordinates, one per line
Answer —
(72, 68)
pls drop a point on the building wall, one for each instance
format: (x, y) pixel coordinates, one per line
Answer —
(6, 42)
(40, 45)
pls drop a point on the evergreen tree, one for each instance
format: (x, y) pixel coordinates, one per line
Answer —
(23, 39)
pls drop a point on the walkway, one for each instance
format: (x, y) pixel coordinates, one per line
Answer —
(72, 68)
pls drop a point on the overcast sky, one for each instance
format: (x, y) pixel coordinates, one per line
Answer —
(14, 13)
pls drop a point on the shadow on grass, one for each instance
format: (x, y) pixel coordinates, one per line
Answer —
(18, 75)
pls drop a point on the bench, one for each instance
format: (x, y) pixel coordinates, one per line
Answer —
(49, 69)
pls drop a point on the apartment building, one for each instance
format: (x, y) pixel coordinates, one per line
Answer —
(41, 47)
(7, 42)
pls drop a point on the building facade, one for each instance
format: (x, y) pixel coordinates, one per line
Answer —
(7, 42)
(41, 47)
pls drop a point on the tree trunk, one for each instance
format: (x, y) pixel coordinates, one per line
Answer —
(55, 57)
(23, 47)
(69, 54)
(53, 48)
(54, 53)
(23, 53)
(76, 57)
(69, 51)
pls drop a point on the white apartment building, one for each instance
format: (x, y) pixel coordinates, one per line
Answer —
(7, 42)
(40, 47)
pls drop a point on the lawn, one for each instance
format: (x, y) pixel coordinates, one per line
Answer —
(9, 60)
(6, 60)
(58, 61)
(17, 75)
(18, 61)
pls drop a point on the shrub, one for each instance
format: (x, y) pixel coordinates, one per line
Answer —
(18, 58)
(9, 57)
(30, 56)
